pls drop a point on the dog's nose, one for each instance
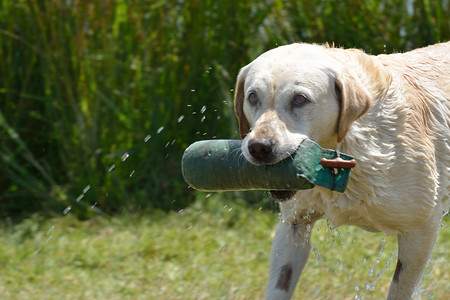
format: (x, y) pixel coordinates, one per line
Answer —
(260, 148)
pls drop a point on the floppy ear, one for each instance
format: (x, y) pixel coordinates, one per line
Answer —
(354, 101)
(239, 97)
(356, 91)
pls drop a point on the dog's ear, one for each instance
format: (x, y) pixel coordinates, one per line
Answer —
(239, 98)
(358, 86)
(354, 101)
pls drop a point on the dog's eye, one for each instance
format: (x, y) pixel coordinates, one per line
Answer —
(253, 98)
(299, 100)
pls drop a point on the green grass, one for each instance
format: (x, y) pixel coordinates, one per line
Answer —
(214, 249)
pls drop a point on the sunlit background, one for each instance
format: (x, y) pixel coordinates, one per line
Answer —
(99, 99)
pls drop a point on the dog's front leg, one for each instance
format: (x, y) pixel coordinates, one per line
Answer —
(290, 250)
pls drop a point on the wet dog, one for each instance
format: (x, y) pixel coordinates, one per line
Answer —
(391, 112)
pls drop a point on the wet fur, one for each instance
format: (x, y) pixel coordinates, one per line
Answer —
(391, 112)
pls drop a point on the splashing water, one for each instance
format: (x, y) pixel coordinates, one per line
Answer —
(50, 230)
(125, 156)
(87, 188)
(66, 211)
(370, 286)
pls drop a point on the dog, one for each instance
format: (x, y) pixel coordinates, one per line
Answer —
(391, 112)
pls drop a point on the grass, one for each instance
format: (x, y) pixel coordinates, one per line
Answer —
(214, 249)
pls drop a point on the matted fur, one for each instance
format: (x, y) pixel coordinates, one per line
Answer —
(391, 112)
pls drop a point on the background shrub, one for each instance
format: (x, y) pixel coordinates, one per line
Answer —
(98, 99)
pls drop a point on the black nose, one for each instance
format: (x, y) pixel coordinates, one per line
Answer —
(260, 148)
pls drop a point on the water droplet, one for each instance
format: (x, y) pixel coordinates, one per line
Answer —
(80, 197)
(38, 250)
(87, 188)
(66, 211)
(203, 109)
(111, 168)
(180, 118)
(370, 272)
(50, 230)
(125, 156)
(203, 119)
(370, 286)
(159, 130)
(132, 173)
(147, 138)
(93, 205)
(317, 255)
(193, 91)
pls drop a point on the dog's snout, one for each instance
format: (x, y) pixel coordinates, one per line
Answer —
(260, 148)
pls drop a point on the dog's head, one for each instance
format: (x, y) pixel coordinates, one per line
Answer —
(295, 92)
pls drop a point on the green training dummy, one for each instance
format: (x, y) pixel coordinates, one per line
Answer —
(219, 165)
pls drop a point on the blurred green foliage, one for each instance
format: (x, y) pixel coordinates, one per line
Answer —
(98, 99)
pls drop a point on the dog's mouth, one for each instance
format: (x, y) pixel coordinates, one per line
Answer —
(263, 151)
(282, 196)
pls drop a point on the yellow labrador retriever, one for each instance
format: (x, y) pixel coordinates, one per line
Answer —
(391, 112)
